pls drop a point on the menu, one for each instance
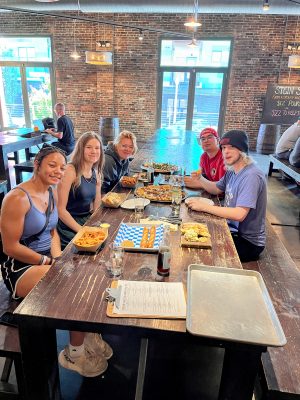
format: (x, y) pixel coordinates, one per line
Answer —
(142, 299)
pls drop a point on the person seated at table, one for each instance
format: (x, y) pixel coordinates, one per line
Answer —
(244, 185)
(65, 130)
(211, 161)
(117, 156)
(28, 228)
(79, 192)
(287, 141)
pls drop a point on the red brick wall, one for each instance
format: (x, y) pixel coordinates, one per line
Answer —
(129, 88)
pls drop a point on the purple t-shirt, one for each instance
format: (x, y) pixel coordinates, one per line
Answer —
(247, 188)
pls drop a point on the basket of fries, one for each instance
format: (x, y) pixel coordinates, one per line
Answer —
(128, 181)
(89, 238)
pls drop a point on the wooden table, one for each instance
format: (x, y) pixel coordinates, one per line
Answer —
(72, 297)
(12, 142)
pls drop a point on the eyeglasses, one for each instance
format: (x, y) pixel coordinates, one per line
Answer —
(205, 138)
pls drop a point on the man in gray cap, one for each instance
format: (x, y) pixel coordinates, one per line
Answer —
(244, 185)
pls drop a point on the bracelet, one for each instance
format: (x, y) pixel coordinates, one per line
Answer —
(41, 262)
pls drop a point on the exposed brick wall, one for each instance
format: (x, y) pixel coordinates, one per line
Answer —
(129, 88)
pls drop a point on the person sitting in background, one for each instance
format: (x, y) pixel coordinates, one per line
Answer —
(245, 201)
(211, 161)
(79, 192)
(287, 141)
(117, 156)
(294, 157)
(64, 132)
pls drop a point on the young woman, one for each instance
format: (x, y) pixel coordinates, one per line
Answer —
(24, 215)
(117, 156)
(79, 192)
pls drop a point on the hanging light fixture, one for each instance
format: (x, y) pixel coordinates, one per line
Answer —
(46, 1)
(193, 43)
(266, 5)
(294, 59)
(141, 35)
(193, 22)
(75, 55)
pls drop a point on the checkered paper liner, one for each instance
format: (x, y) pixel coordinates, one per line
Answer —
(134, 232)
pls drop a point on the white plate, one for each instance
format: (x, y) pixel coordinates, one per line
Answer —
(203, 199)
(129, 204)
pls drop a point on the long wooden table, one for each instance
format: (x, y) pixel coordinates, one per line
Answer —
(12, 142)
(72, 297)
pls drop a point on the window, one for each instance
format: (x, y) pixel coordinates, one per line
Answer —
(25, 81)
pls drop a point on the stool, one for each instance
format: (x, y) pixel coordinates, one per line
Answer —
(15, 157)
(26, 166)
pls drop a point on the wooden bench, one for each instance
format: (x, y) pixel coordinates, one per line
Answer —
(281, 366)
(285, 166)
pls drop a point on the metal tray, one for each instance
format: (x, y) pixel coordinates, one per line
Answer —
(231, 304)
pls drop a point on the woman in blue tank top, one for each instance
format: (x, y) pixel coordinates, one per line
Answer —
(79, 192)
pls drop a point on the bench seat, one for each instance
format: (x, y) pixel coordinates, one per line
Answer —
(281, 366)
(285, 166)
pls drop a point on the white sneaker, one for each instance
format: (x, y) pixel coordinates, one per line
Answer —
(86, 365)
(96, 346)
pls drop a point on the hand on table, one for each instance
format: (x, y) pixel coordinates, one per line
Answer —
(197, 205)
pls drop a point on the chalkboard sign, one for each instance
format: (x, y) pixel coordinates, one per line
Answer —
(282, 105)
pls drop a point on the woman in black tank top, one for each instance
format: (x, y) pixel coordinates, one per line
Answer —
(79, 193)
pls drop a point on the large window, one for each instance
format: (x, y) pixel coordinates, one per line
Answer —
(192, 83)
(26, 80)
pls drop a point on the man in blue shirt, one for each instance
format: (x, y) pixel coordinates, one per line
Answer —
(245, 191)
(65, 130)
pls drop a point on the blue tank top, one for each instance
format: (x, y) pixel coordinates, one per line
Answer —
(80, 199)
(34, 223)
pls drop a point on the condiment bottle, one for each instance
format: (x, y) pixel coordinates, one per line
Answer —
(164, 254)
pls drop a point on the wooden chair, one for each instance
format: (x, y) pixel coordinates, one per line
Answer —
(26, 166)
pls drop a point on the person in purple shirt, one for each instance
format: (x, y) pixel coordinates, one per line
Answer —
(244, 185)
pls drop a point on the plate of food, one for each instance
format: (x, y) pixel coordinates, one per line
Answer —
(139, 237)
(195, 234)
(203, 199)
(90, 238)
(130, 204)
(113, 200)
(143, 177)
(128, 181)
(158, 193)
(161, 168)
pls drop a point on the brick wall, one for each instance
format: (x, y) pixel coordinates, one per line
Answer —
(129, 88)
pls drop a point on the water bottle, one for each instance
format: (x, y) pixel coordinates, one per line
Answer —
(164, 254)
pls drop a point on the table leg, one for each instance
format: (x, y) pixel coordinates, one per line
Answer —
(40, 367)
(240, 368)
(141, 369)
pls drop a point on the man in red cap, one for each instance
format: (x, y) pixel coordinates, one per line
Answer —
(211, 161)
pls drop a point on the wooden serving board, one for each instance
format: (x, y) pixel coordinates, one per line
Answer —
(199, 245)
(122, 198)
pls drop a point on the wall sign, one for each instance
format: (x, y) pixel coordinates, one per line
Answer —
(282, 104)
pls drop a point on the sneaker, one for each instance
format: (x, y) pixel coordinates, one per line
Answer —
(96, 346)
(86, 364)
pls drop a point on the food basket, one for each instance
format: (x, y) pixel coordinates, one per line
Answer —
(113, 200)
(90, 238)
(128, 181)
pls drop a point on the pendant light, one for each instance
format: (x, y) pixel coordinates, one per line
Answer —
(193, 22)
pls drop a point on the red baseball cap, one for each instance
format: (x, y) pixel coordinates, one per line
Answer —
(210, 131)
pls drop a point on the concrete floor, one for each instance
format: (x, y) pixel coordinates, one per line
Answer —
(174, 371)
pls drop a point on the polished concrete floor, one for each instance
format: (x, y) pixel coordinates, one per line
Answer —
(178, 370)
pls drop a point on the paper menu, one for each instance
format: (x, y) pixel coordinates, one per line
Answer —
(151, 299)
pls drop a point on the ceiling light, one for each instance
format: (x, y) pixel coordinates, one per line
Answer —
(75, 55)
(193, 43)
(193, 22)
(141, 35)
(266, 5)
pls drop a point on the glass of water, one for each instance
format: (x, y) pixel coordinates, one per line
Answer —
(116, 260)
(176, 199)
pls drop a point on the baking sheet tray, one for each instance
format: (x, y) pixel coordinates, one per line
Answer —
(231, 304)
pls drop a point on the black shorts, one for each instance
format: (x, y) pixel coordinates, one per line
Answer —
(247, 251)
(12, 270)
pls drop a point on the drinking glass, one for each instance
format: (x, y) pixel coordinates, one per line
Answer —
(176, 199)
(139, 206)
(116, 260)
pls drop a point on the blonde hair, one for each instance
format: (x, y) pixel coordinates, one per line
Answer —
(77, 157)
(126, 135)
(247, 160)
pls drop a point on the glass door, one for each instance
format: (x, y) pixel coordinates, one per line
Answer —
(207, 100)
(174, 99)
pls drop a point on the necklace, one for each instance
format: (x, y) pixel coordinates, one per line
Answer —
(88, 180)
